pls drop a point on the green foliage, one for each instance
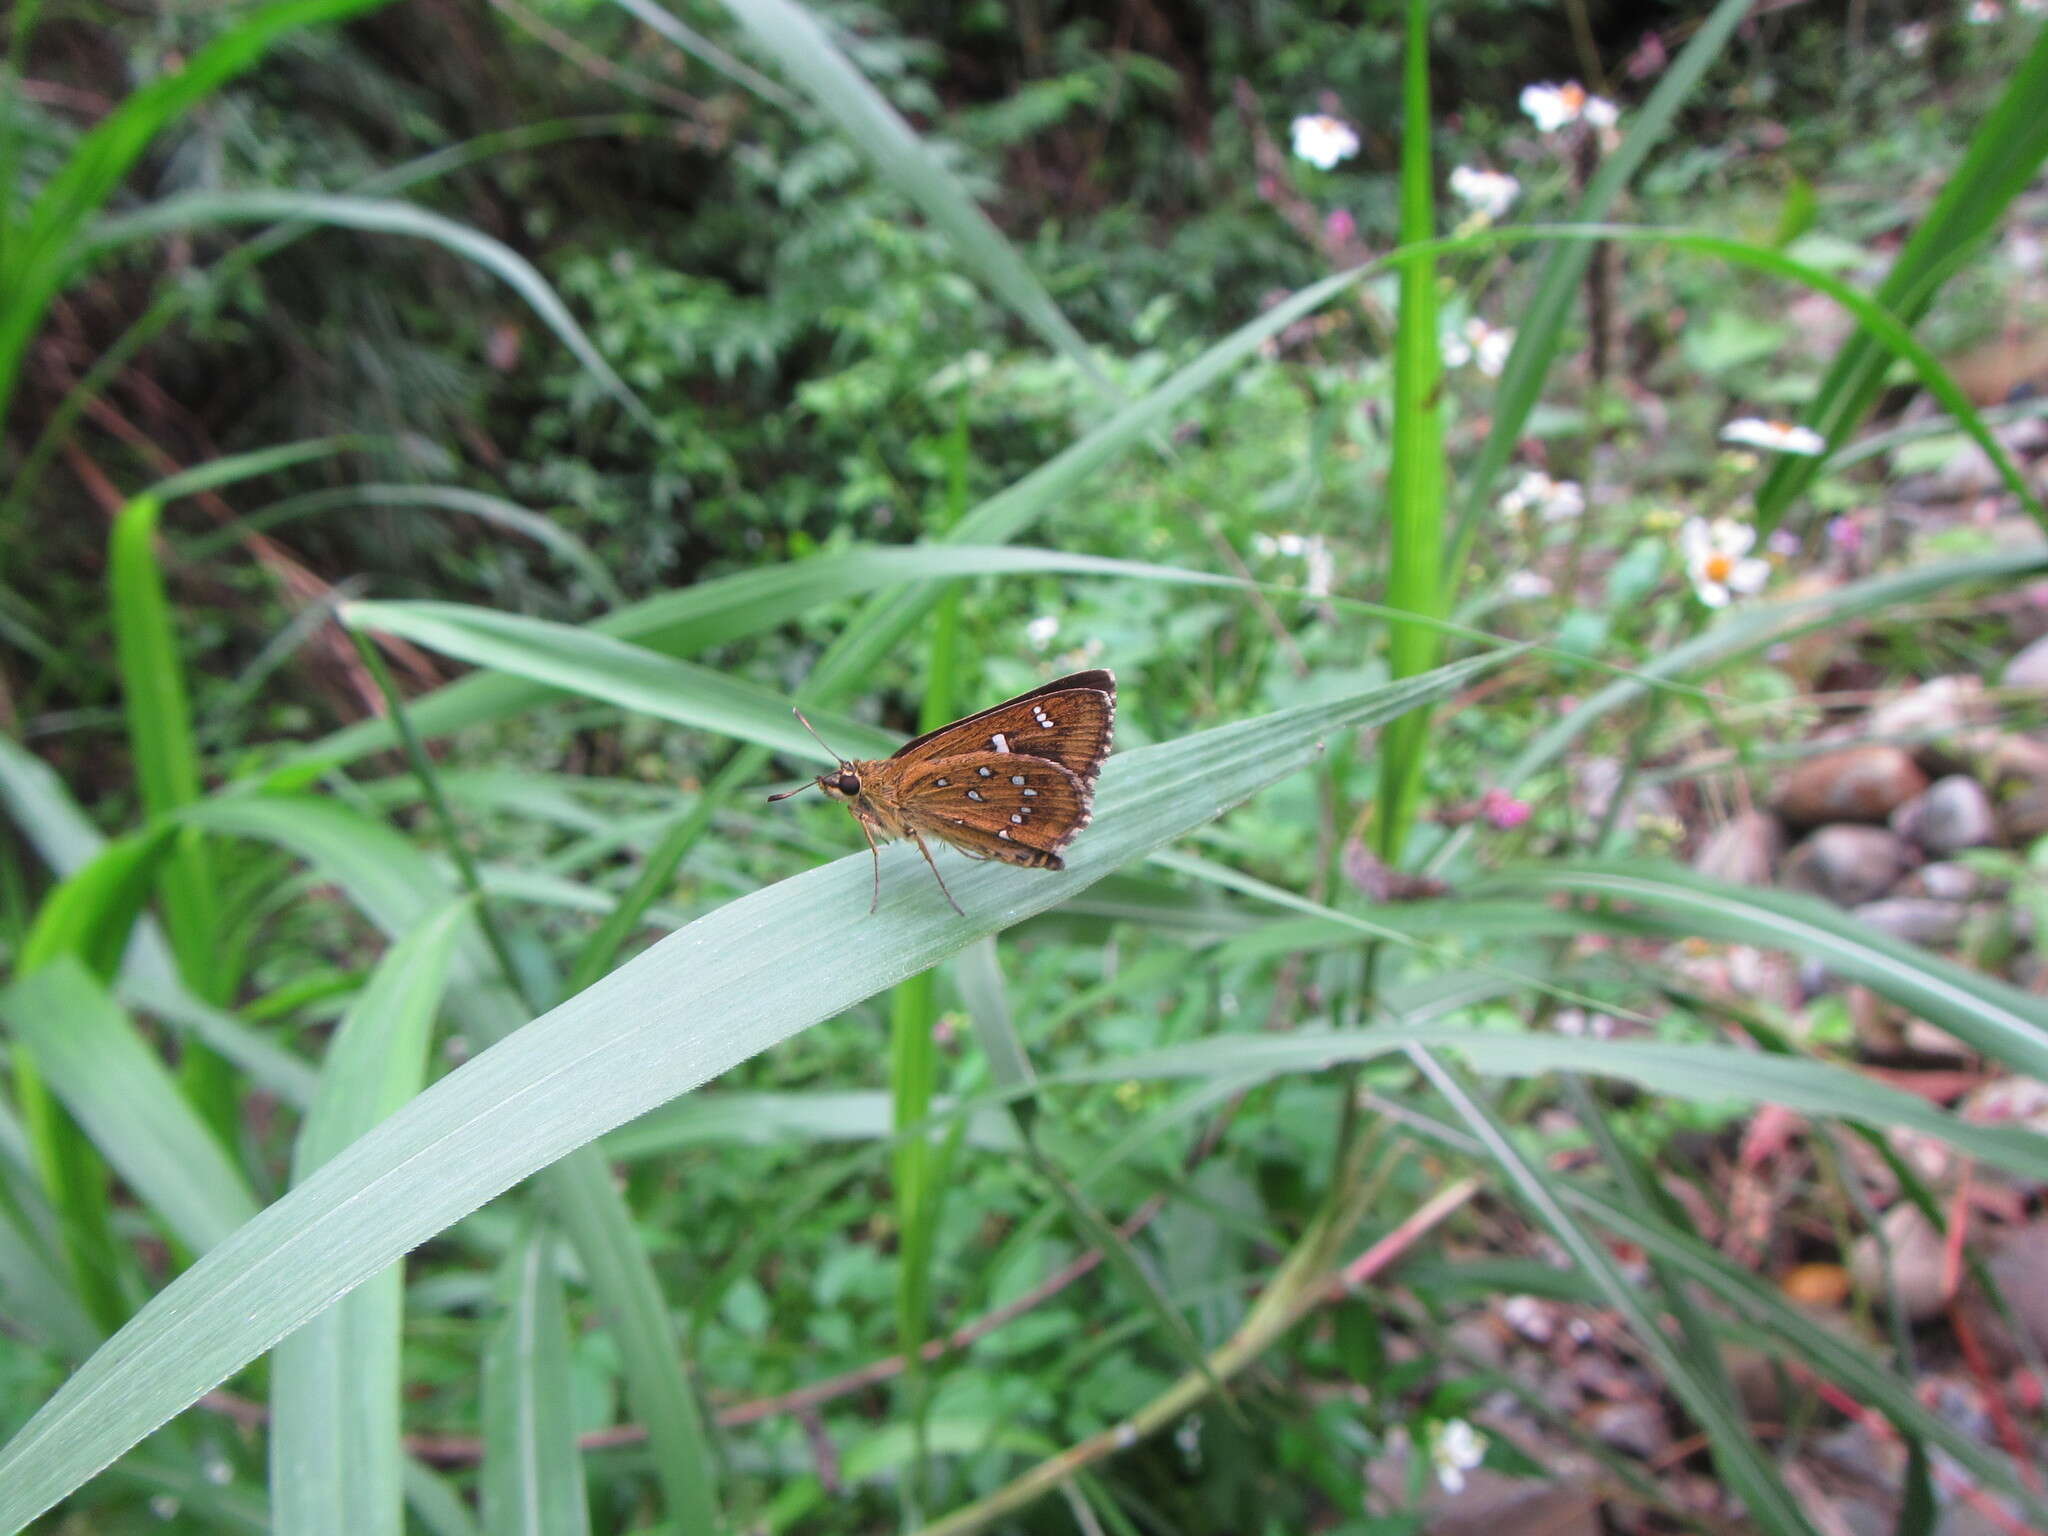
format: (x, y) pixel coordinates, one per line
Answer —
(909, 354)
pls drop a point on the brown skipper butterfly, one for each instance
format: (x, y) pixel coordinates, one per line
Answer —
(1014, 783)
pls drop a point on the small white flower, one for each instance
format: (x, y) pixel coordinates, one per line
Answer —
(1524, 586)
(1984, 12)
(1323, 140)
(1041, 630)
(1555, 501)
(1778, 436)
(1321, 574)
(1912, 38)
(1530, 1316)
(1718, 560)
(1310, 548)
(1551, 107)
(1477, 342)
(1490, 194)
(1455, 1448)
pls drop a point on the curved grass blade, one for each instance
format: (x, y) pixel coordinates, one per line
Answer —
(1707, 1073)
(1737, 1456)
(1987, 1014)
(2003, 157)
(336, 1452)
(533, 1472)
(793, 36)
(384, 216)
(166, 761)
(1750, 631)
(398, 888)
(702, 1000)
(124, 1098)
(1775, 1322)
(50, 819)
(34, 256)
(584, 661)
(204, 287)
(495, 510)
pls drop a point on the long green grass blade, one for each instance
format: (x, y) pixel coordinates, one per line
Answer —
(166, 763)
(2003, 158)
(1415, 486)
(122, 1096)
(533, 1472)
(398, 888)
(85, 922)
(1697, 1072)
(458, 499)
(702, 1000)
(1743, 634)
(1992, 1016)
(793, 37)
(584, 661)
(385, 216)
(336, 1455)
(1737, 1457)
(34, 258)
(1774, 1322)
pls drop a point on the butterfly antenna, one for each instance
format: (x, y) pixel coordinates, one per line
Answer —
(821, 742)
(815, 736)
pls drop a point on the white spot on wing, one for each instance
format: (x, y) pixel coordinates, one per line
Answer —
(1000, 742)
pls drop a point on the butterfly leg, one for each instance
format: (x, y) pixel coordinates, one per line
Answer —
(935, 872)
(875, 854)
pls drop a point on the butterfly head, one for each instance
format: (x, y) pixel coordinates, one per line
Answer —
(841, 786)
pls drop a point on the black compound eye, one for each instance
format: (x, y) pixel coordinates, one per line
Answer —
(849, 784)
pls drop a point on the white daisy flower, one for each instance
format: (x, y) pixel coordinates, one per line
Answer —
(1323, 140)
(1778, 436)
(1718, 560)
(1551, 107)
(1041, 630)
(1455, 1448)
(1490, 194)
(1524, 586)
(1555, 501)
(1476, 342)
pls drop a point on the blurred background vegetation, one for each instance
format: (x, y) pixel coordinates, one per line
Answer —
(551, 308)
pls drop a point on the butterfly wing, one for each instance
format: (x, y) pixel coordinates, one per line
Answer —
(999, 805)
(1069, 721)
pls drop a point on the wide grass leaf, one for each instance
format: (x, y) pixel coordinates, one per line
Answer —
(123, 1096)
(336, 1462)
(727, 987)
(533, 1471)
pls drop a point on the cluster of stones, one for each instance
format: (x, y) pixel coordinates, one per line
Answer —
(1881, 827)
